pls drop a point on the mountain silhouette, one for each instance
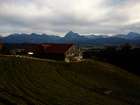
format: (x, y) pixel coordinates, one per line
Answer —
(73, 37)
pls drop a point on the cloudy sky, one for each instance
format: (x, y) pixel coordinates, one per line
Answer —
(61, 16)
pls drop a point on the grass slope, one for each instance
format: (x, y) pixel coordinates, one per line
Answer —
(35, 82)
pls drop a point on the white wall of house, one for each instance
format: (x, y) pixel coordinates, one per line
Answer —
(73, 54)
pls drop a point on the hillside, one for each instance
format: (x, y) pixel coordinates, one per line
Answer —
(36, 82)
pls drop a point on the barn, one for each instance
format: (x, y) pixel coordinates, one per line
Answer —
(1, 46)
(66, 52)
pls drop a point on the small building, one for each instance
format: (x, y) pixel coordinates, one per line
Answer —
(22, 49)
(66, 52)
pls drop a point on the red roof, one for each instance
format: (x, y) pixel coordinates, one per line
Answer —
(56, 48)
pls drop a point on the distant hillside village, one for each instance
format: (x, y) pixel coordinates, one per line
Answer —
(65, 52)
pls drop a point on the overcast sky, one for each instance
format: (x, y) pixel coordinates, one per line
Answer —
(61, 16)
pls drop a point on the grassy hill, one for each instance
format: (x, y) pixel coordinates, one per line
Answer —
(35, 82)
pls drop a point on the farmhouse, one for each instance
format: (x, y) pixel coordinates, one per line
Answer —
(67, 52)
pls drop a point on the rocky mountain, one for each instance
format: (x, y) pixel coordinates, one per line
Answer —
(31, 38)
(72, 37)
(130, 35)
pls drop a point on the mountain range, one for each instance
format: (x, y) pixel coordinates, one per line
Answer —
(72, 37)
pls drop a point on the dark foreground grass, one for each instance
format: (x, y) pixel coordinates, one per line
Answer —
(35, 82)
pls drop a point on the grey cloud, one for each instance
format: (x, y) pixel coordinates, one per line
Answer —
(49, 17)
